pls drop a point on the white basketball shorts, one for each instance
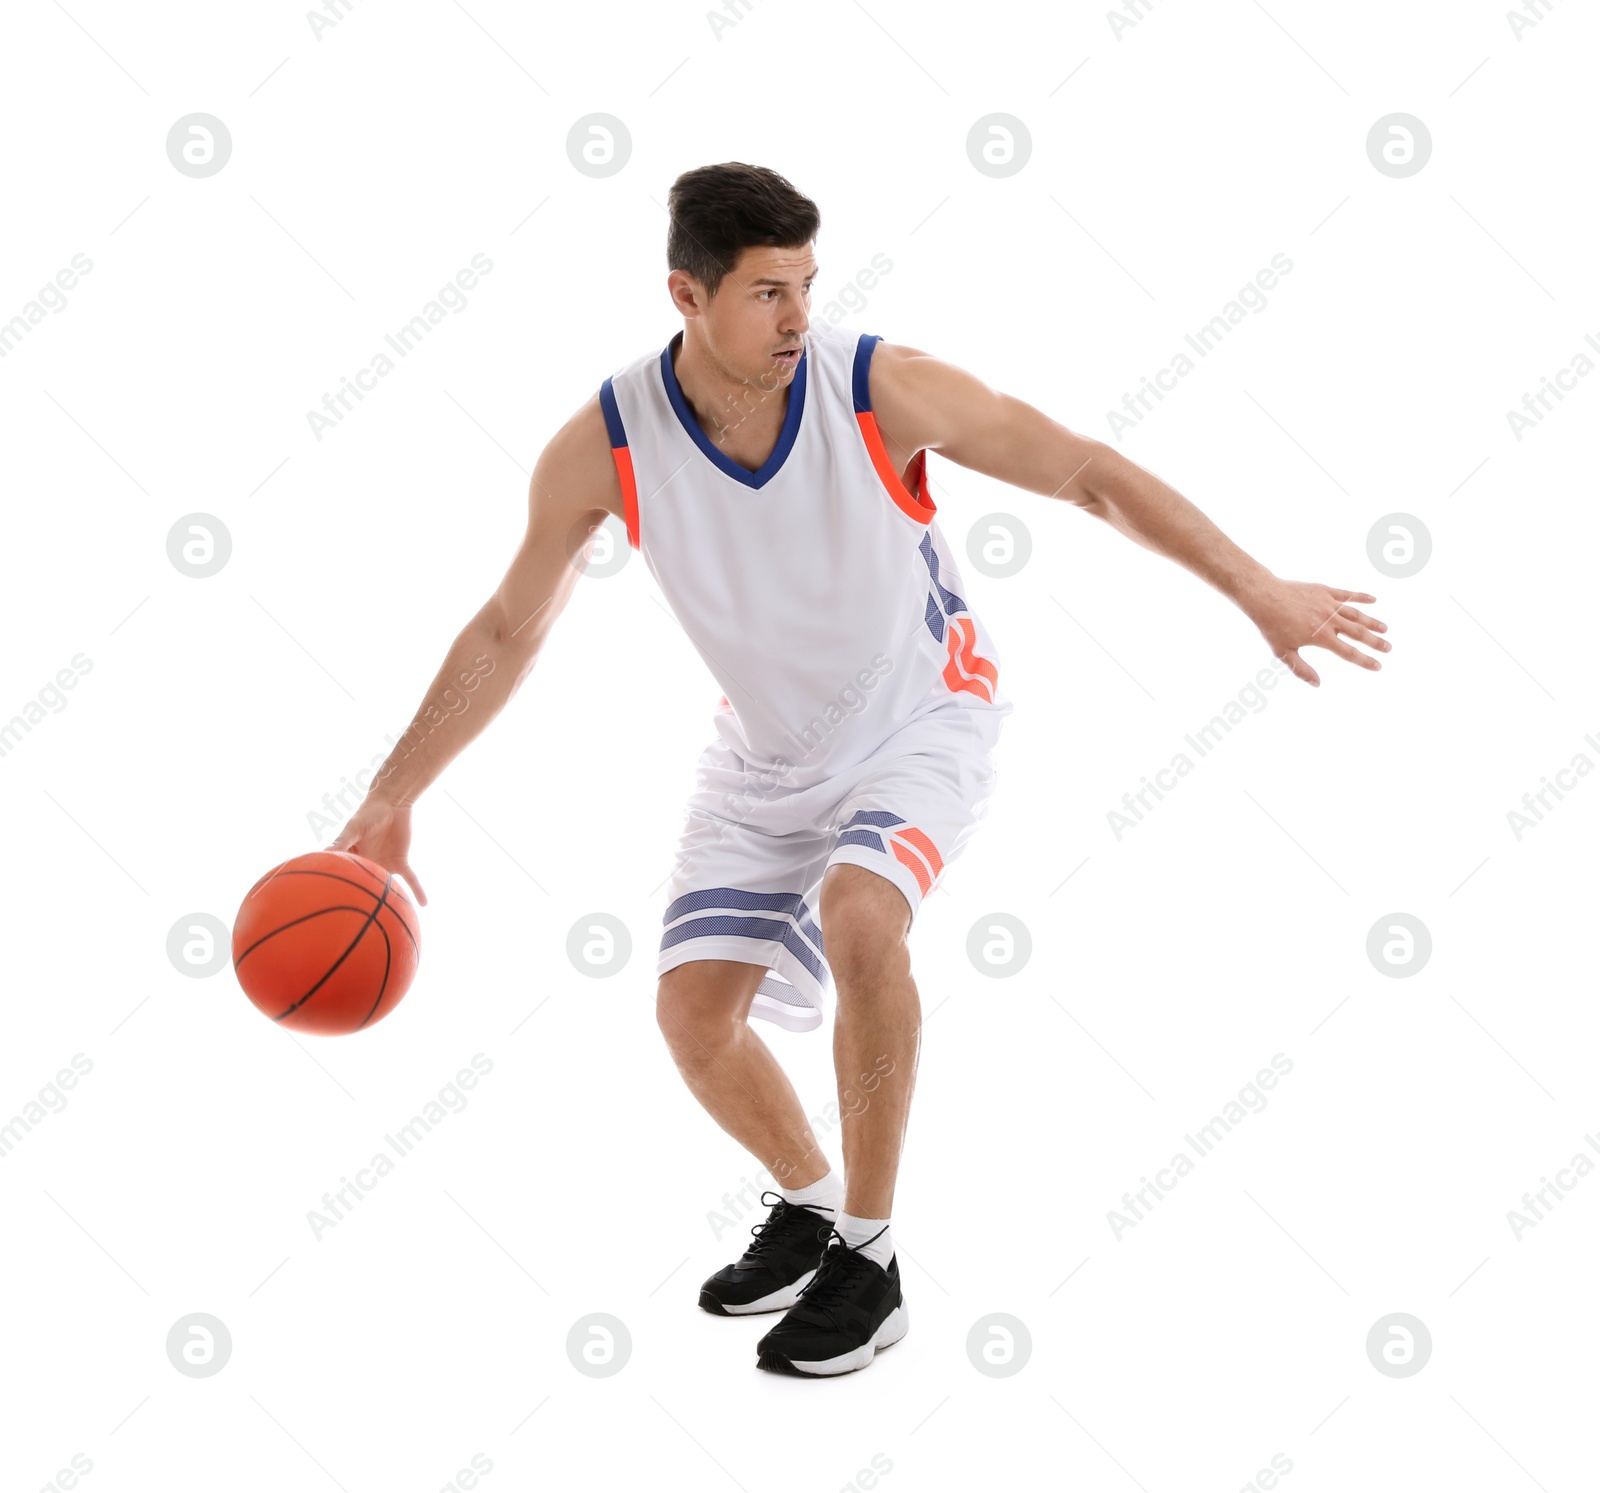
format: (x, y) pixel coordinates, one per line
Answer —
(752, 855)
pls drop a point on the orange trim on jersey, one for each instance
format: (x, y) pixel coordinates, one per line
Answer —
(921, 506)
(630, 492)
(967, 670)
(916, 480)
(913, 863)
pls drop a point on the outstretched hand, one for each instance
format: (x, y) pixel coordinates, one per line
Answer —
(1299, 614)
(381, 832)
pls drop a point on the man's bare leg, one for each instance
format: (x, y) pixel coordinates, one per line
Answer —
(702, 1008)
(858, 1308)
(877, 1032)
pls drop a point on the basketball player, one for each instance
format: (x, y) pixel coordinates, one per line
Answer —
(772, 472)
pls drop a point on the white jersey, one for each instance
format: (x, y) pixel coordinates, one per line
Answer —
(818, 590)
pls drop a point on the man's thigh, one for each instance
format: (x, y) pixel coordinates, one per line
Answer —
(702, 995)
(873, 899)
(738, 894)
(749, 875)
(915, 806)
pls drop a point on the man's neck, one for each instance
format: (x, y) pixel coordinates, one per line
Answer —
(728, 410)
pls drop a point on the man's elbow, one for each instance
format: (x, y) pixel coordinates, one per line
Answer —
(1096, 483)
(512, 642)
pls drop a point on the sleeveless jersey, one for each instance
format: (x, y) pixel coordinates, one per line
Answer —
(818, 590)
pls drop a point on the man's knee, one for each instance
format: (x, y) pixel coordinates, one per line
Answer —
(865, 920)
(695, 1011)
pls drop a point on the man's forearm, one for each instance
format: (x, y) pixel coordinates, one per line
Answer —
(476, 679)
(1140, 505)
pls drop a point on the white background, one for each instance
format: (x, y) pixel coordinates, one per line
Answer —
(430, 1326)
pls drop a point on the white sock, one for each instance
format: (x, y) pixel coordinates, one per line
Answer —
(857, 1231)
(825, 1195)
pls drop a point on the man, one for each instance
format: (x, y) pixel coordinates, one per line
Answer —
(772, 473)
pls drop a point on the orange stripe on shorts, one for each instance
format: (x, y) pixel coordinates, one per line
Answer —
(913, 863)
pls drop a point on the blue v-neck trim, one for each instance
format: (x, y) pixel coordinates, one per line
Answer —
(720, 458)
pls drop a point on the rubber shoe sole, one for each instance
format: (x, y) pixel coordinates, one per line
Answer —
(893, 1329)
(777, 1301)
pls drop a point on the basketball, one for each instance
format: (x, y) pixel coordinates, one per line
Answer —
(326, 943)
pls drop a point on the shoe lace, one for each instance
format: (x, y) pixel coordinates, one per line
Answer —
(836, 1276)
(777, 1221)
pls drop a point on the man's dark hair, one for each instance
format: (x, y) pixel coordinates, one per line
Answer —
(716, 211)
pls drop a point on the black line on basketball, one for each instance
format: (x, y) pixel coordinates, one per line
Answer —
(328, 975)
(355, 865)
(395, 907)
(388, 964)
(295, 923)
(360, 886)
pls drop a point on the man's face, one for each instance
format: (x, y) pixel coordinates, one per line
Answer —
(761, 308)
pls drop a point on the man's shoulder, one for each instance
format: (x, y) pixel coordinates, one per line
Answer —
(875, 363)
(892, 376)
(889, 358)
(578, 464)
(894, 354)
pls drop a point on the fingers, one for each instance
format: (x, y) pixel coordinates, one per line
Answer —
(1350, 621)
(1361, 616)
(1355, 656)
(1361, 635)
(1299, 667)
(414, 884)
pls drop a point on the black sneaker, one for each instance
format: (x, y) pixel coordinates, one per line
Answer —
(851, 1308)
(780, 1262)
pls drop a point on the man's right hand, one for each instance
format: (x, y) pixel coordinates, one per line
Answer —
(381, 831)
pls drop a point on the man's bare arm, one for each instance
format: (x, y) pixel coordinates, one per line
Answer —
(573, 488)
(925, 403)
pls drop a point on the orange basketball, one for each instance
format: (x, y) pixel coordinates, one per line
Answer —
(326, 943)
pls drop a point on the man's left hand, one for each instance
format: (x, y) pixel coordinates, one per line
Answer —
(1298, 614)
